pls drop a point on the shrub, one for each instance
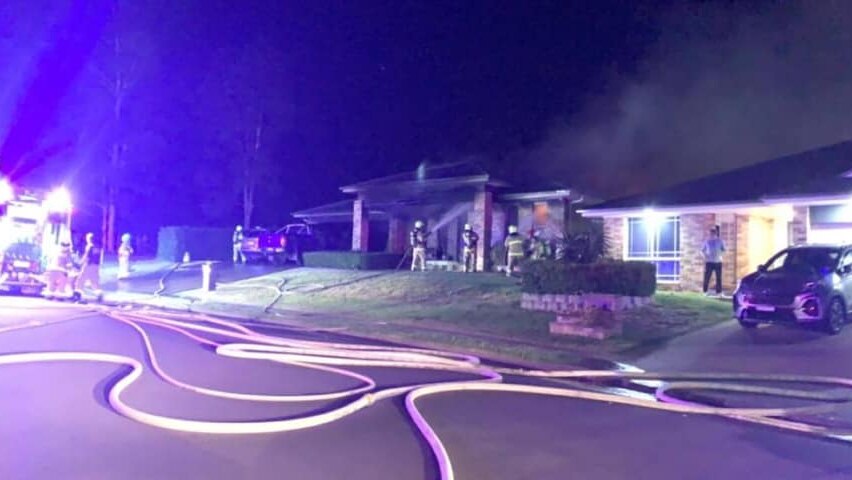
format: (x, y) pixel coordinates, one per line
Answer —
(636, 279)
(353, 260)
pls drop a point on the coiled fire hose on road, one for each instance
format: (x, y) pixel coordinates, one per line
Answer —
(331, 357)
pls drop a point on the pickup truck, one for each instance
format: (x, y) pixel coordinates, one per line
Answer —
(276, 246)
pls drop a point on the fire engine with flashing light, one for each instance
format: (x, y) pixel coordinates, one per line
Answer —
(33, 225)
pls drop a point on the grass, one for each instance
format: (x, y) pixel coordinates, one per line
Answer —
(479, 313)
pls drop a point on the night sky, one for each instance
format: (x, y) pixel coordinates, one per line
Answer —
(608, 96)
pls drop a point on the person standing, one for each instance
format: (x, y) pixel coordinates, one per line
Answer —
(470, 240)
(125, 251)
(90, 269)
(417, 239)
(712, 251)
(514, 244)
(237, 242)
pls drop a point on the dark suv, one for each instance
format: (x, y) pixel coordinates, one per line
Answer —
(808, 284)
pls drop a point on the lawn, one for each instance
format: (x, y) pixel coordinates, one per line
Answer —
(479, 313)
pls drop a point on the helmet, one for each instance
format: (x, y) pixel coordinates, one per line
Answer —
(125, 238)
(239, 228)
(90, 237)
(513, 229)
(418, 224)
(467, 227)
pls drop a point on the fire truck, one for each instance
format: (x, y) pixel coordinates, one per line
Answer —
(33, 224)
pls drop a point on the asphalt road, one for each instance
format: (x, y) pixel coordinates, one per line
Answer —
(55, 423)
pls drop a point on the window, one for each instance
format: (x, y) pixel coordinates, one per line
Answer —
(541, 213)
(656, 239)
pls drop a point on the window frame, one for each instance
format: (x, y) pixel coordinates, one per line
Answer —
(655, 256)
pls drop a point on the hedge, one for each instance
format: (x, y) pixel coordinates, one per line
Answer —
(201, 243)
(636, 279)
(353, 260)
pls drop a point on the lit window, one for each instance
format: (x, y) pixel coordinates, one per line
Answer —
(656, 239)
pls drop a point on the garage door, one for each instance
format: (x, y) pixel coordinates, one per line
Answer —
(830, 235)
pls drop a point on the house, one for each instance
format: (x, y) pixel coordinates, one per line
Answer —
(760, 209)
(445, 197)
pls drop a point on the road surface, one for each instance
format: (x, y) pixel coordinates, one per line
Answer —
(56, 422)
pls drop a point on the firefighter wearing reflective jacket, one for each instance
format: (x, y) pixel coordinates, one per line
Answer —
(56, 273)
(125, 251)
(237, 240)
(90, 269)
(470, 240)
(418, 246)
(514, 244)
(541, 247)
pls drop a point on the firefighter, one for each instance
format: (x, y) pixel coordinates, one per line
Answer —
(125, 251)
(541, 248)
(90, 269)
(418, 246)
(470, 240)
(514, 244)
(237, 240)
(56, 273)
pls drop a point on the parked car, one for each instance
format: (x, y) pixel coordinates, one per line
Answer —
(276, 246)
(808, 284)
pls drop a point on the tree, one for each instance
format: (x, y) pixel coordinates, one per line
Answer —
(121, 60)
(251, 110)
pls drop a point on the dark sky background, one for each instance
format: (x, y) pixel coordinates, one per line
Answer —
(607, 96)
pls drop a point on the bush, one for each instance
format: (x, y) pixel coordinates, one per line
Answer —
(636, 279)
(353, 260)
(201, 243)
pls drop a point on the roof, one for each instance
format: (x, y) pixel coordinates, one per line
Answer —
(814, 172)
(333, 212)
(459, 172)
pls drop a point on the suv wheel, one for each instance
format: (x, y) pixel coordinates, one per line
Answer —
(747, 324)
(835, 316)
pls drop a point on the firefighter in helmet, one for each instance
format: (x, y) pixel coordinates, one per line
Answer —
(470, 240)
(90, 269)
(125, 251)
(56, 273)
(237, 241)
(514, 244)
(417, 239)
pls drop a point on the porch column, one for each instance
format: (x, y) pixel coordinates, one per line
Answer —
(481, 223)
(799, 226)
(396, 235)
(453, 239)
(360, 226)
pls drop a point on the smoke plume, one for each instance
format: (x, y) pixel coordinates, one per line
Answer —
(719, 88)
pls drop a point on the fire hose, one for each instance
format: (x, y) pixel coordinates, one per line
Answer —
(332, 357)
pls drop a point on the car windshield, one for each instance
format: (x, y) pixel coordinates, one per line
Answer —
(804, 260)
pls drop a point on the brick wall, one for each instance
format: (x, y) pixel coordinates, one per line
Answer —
(615, 234)
(360, 226)
(694, 228)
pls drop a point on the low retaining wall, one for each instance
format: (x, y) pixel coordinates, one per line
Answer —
(590, 315)
(568, 303)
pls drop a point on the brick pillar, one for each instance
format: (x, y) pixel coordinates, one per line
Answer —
(396, 235)
(432, 239)
(800, 226)
(360, 226)
(734, 233)
(453, 239)
(694, 229)
(481, 222)
(615, 236)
